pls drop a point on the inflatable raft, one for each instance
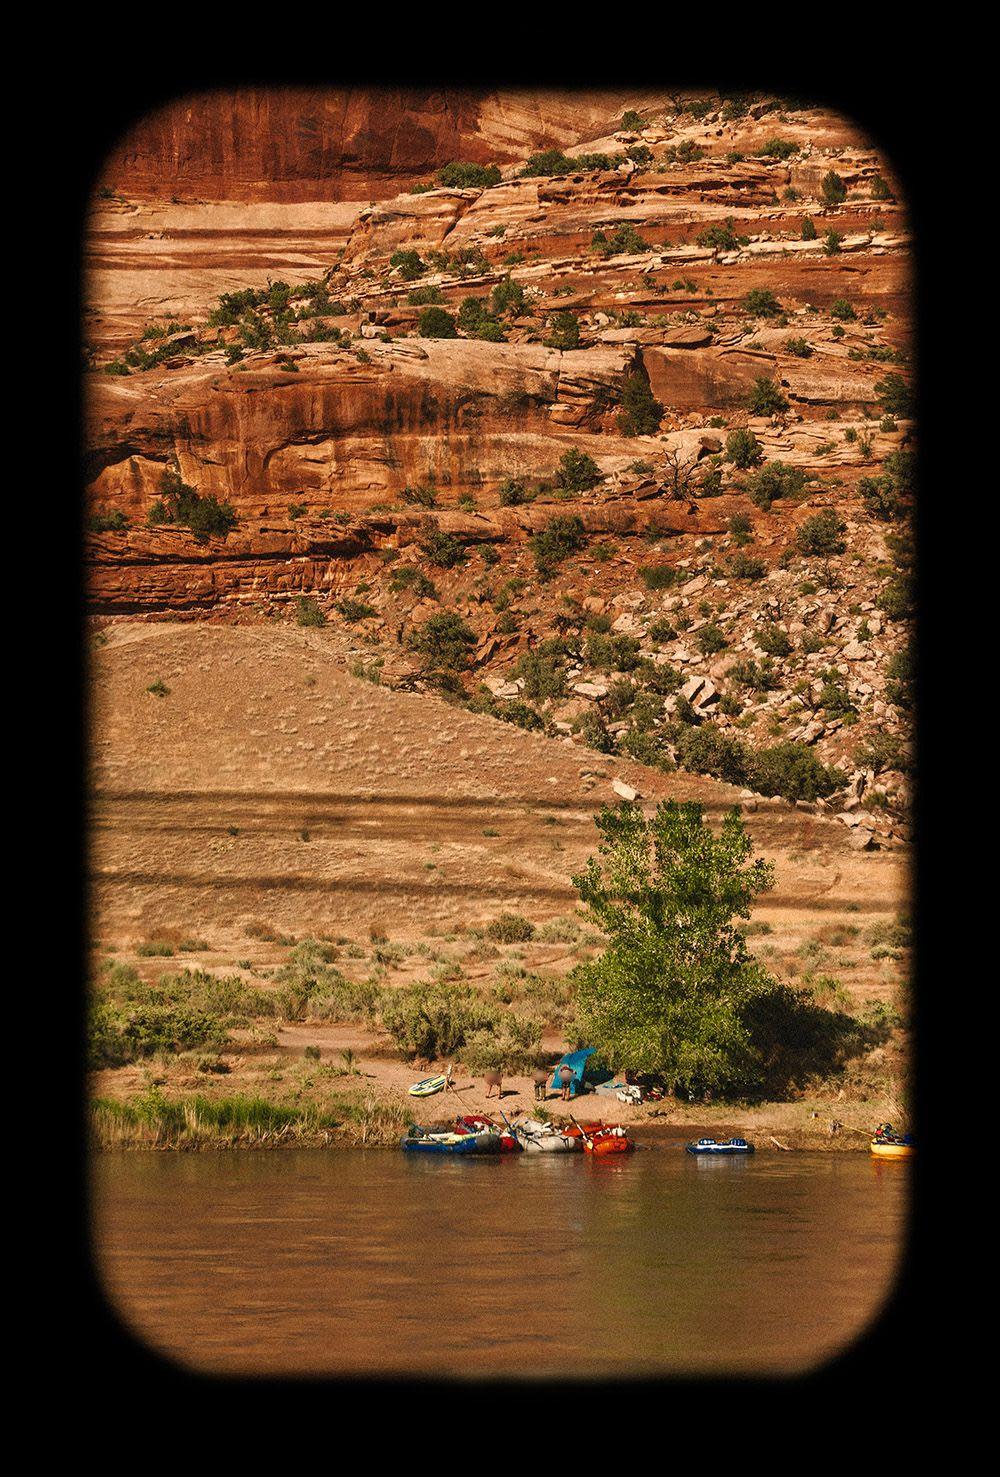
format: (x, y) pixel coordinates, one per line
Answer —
(421, 1142)
(710, 1147)
(545, 1138)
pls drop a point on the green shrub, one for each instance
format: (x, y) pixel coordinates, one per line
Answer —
(542, 671)
(507, 298)
(354, 610)
(833, 188)
(773, 481)
(640, 412)
(842, 310)
(119, 1034)
(761, 302)
(444, 641)
(895, 396)
(624, 239)
(562, 537)
(707, 750)
(444, 550)
(434, 322)
(743, 449)
(710, 639)
(820, 534)
(513, 493)
(434, 1019)
(765, 397)
(723, 237)
(773, 640)
(408, 264)
(791, 769)
(564, 331)
(461, 176)
(180, 503)
(881, 499)
(510, 928)
(746, 567)
(808, 228)
(308, 612)
(409, 577)
(577, 472)
(658, 576)
(612, 653)
(114, 521)
(778, 148)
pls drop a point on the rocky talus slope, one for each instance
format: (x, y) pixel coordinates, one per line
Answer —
(614, 441)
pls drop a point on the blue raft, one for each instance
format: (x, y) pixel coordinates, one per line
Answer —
(709, 1146)
(452, 1143)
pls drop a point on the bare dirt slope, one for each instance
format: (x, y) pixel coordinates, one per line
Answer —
(268, 783)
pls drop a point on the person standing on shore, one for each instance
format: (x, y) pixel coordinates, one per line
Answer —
(540, 1076)
(566, 1078)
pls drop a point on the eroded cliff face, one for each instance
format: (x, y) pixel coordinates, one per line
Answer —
(351, 445)
(296, 144)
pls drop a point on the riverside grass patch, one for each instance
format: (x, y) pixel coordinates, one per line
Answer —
(152, 1120)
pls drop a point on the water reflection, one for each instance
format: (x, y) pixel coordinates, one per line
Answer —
(353, 1262)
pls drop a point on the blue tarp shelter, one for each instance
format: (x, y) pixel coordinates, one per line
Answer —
(577, 1060)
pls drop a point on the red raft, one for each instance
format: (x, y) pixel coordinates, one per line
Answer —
(601, 1138)
(472, 1123)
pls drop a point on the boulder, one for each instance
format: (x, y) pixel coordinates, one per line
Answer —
(625, 791)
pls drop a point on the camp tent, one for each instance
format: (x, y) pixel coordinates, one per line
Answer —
(577, 1060)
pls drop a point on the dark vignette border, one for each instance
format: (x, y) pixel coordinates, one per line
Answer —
(893, 111)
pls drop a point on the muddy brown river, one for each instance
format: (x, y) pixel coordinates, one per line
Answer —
(349, 1262)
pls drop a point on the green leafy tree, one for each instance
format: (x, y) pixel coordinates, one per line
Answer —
(676, 992)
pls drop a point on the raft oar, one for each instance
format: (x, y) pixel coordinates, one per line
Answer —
(583, 1135)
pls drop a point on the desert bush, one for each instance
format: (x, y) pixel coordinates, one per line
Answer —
(658, 576)
(765, 397)
(308, 612)
(773, 640)
(791, 769)
(462, 176)
(117, 1035)
(743, 449)
(510, 928)
(543, 672)
(833, 188)
(431, 1019)
(435, 322)
(577, 472)
(820, 534)
(444, 641)
(562, 537)
(774, 480)
(640, 412)
(761, 302)
(564, 331)
(408, 264)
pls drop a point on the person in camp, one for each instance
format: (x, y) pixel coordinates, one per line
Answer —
(566, 1078)
(493, 1079)
(540, 1077)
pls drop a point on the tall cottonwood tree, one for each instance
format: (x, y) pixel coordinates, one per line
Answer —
(676, 992)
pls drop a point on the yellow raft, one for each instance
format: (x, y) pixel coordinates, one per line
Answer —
(892, 1151)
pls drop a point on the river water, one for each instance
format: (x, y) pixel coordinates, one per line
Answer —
(362, 1262)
